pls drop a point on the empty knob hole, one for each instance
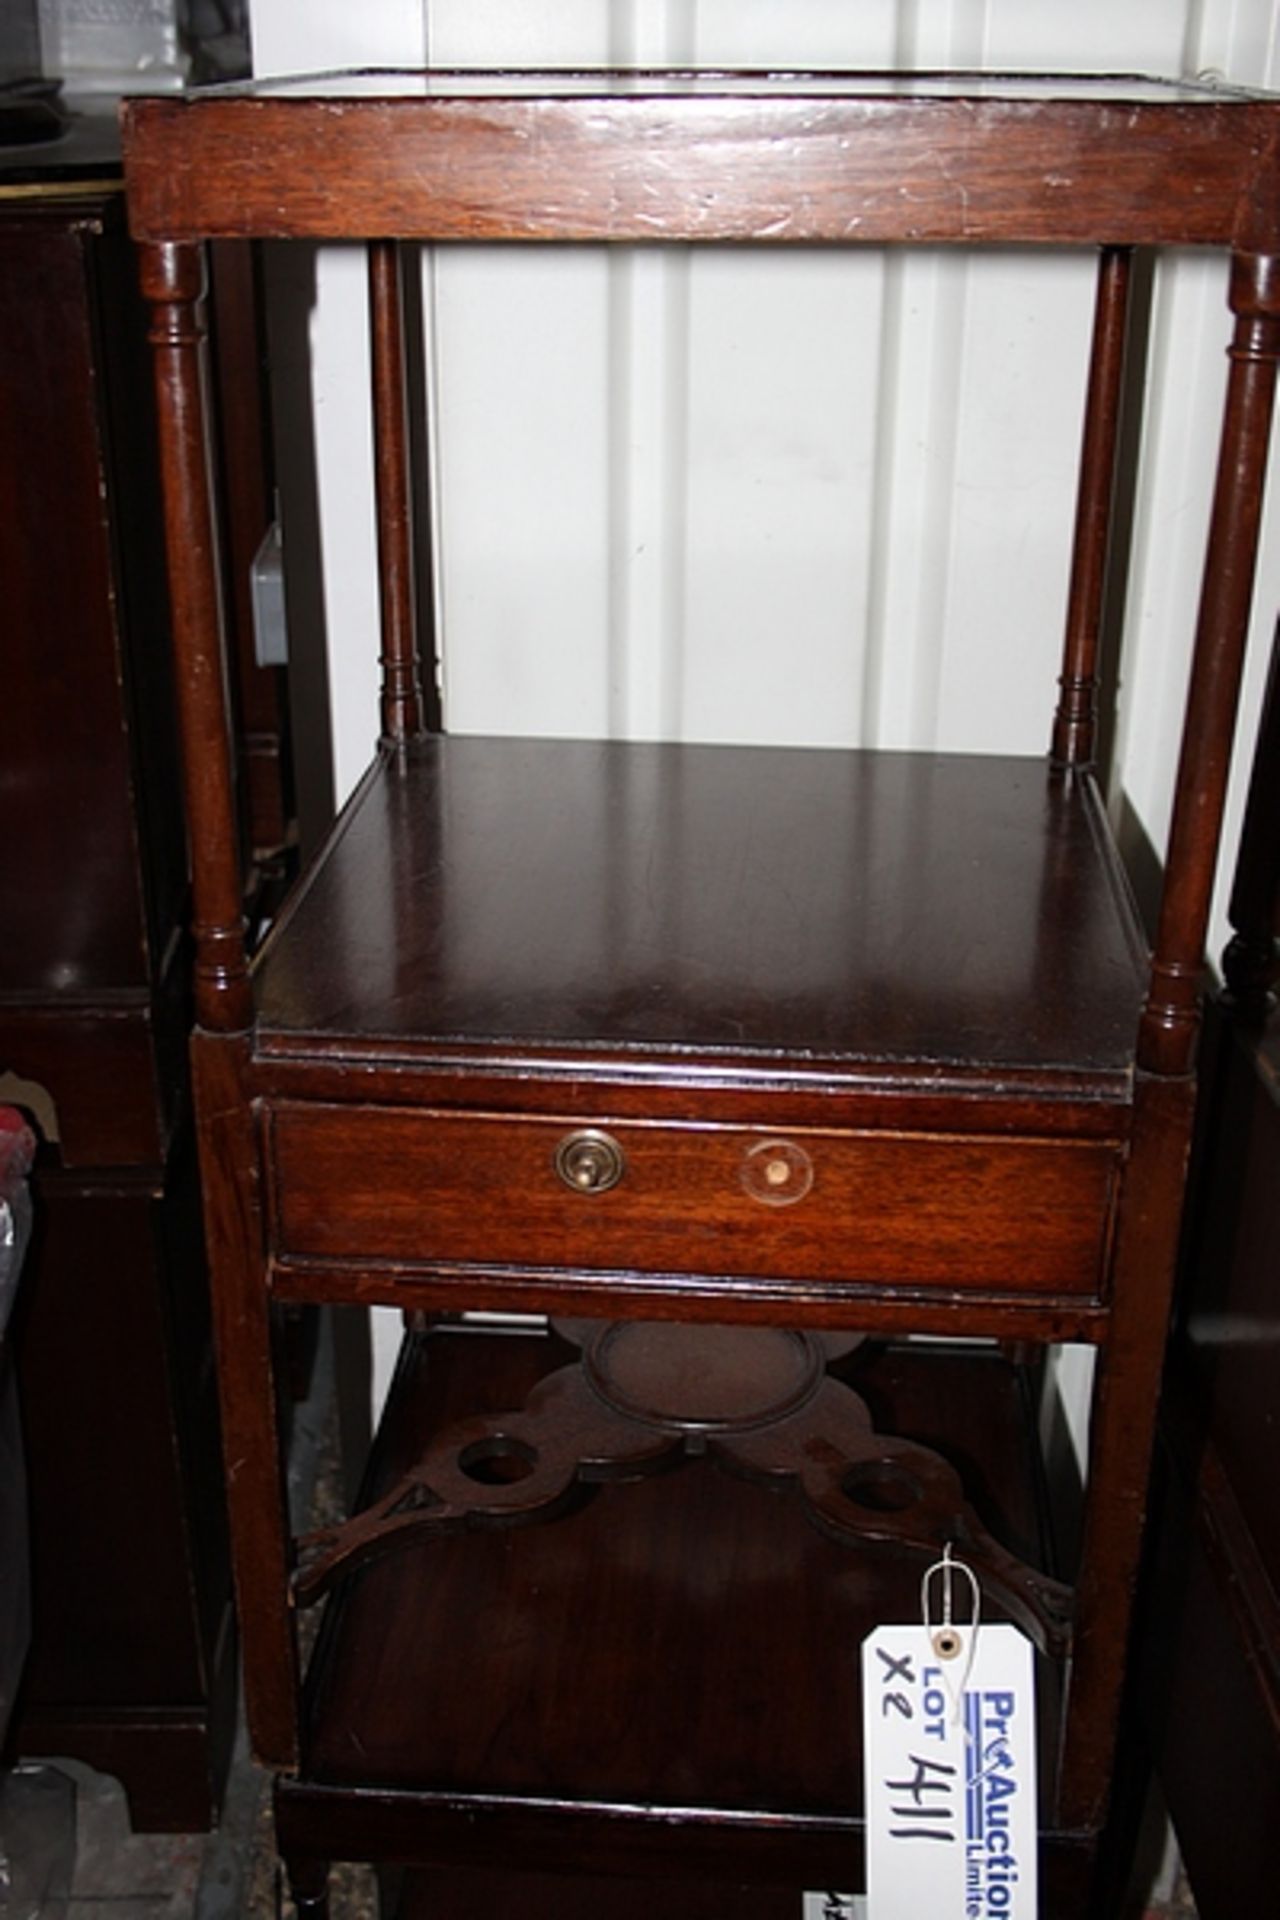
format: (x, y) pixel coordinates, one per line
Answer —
(499, 1460)
(880, 1487)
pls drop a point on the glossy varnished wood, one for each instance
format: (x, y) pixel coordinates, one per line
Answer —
(73, 901)
(132, 1661)
(620, 896)
(250, 1402)
(480, 1894)
(173, 280)
(401, 692)
(1208, 1649)
(696, 1604)
(913, 1211)
(485, 1890)
(92, 878)
(1171, 1016)
(1120, 1439)
(1076, 721)
(763, 162)
(685, 1646)
(926, 969)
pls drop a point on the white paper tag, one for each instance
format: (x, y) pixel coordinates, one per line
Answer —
(834, 1906)
(949, 1754)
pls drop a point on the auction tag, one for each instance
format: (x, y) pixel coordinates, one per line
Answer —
(949, 1759)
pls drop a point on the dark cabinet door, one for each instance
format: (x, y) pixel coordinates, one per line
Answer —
(1210, 1665)
(132, 1657)
(92, 879)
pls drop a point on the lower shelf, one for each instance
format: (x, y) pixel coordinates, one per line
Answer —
(665, 1672)
(545, 1896)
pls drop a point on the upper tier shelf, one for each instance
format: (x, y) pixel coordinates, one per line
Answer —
(654, 156)
(362, 83)
(961, 914)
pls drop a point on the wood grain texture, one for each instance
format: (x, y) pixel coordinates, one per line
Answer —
(547, 1721)
(119, 1114)
(1170, 1019)
(1121, 1438)
(1076, 721)
(93, 874)
(426, 1188)
(632, 898)
(243, 1336)
(401, 695)
(694, 1717)
(947, 1313)
(926, 969)
(482, 1892)
(768, 167)
(173, 282)
(72, 900)
(132, 1661)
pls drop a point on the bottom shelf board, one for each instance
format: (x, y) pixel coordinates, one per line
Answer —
(683, 1647)
(486, 1892)
(481, 1893)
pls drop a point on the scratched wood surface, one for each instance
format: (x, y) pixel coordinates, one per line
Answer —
(766, 166)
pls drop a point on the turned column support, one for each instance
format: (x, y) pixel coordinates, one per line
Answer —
(1170, 1018)
(173, 283)
(402, 709)
(1075, 723)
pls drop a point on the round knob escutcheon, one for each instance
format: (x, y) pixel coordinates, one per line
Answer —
(777, 1172)
(590, 1161)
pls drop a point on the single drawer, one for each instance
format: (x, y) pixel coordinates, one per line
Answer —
(484, 1189)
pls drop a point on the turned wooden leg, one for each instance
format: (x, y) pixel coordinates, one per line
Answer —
(309, 1887)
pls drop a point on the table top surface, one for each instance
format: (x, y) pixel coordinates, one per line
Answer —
(975, 158)
(954, 910)
(571, 82)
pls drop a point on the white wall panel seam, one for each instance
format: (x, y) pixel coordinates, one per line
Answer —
(735, 629)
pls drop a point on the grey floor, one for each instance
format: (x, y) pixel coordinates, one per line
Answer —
(115, 1874)
(226, 1875)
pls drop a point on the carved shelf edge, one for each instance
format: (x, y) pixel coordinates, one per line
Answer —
(645, 1397)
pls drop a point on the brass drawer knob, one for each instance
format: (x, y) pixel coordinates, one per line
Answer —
(590, 1161)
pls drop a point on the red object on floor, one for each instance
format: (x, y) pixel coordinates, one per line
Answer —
(17, 1151)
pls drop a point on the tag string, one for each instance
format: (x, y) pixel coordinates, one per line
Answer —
(950, 1639)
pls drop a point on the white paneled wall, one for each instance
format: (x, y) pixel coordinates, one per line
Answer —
(742, 496)
(734, 496)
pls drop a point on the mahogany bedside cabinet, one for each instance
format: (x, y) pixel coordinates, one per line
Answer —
(742, 1065)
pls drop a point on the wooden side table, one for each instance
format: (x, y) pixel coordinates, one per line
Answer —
(745, 1065)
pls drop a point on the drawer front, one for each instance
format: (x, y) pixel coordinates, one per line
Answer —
(422, 1188)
